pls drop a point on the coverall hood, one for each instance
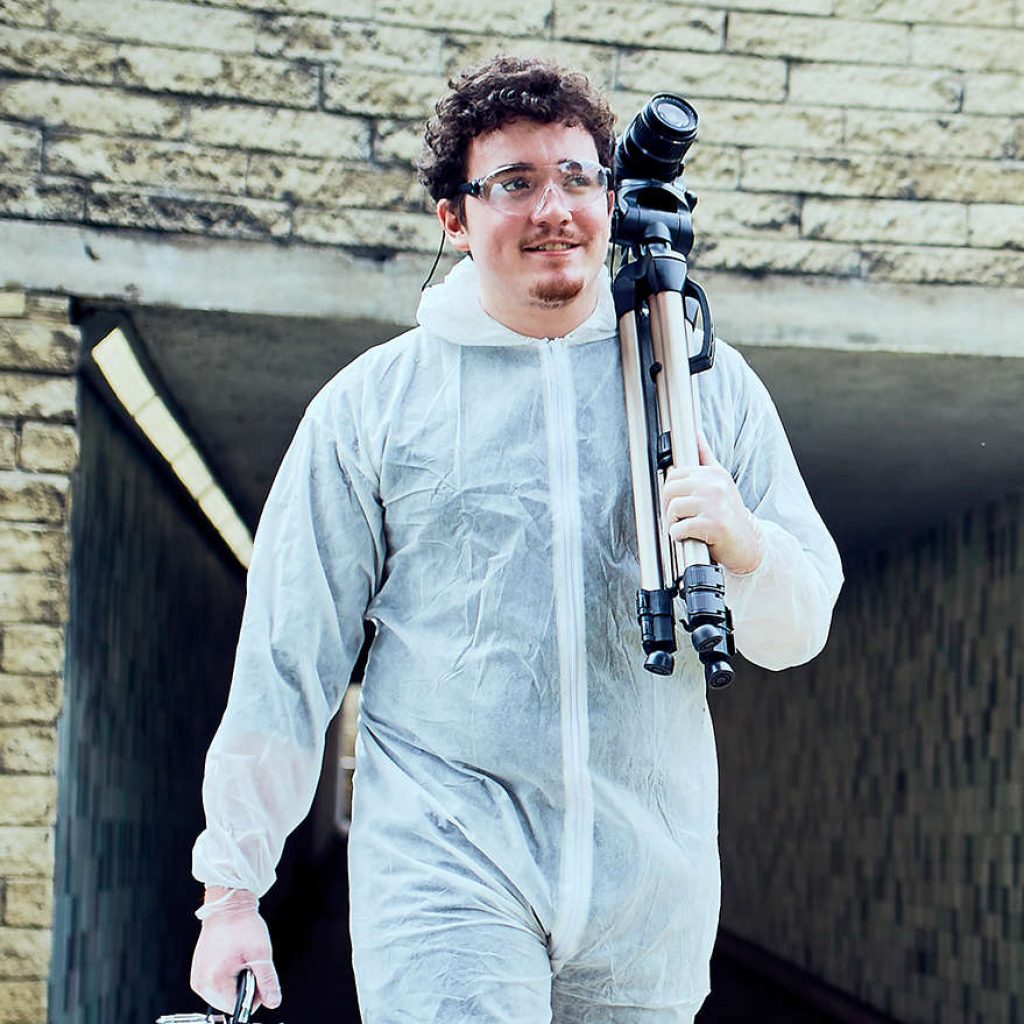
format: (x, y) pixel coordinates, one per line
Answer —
(460, 291)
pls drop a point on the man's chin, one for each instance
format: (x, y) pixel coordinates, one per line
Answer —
(556, 291)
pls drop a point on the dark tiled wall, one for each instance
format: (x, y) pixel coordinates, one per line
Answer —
(873, 802)
(155, 606)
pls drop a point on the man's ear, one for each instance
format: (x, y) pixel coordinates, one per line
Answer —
(454, 229)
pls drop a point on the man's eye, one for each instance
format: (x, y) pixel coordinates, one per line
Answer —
(517, 184)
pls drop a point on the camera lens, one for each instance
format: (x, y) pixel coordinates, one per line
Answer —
(654, 145)
(676, 114)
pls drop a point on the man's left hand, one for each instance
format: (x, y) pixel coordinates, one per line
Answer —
(703, 503)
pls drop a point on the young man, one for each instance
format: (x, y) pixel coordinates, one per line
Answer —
(534, 834)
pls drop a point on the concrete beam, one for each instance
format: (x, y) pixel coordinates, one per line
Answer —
(317, 281)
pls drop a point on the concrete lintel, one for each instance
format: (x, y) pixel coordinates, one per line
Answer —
(867, 316)
(190, 272)
(315, 281)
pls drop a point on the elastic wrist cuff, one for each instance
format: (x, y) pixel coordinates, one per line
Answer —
(233, 899)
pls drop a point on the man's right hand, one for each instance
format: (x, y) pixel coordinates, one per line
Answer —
(233, 937)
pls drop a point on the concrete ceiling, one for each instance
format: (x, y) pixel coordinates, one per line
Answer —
(888, 443)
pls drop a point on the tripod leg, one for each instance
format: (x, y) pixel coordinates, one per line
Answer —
(671, 326)
(654, 609)
(644, 507)
(701, 582)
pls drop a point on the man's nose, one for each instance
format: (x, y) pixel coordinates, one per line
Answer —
(553, 206)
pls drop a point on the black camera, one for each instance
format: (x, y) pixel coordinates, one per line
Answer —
(649, 192)
(654, 144)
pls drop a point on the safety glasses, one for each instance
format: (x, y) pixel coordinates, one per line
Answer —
(521, 188)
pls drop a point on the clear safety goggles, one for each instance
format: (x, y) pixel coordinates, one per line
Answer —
(523, 188)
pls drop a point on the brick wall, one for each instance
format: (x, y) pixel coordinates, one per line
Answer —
(873, 801)
(38, 451)
(876, 139)
(155, 603)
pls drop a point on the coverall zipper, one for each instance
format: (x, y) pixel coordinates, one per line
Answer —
(576, 867)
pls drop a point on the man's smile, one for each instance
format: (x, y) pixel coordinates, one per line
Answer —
(551, 247)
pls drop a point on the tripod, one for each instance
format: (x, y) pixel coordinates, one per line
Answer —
(658, 308)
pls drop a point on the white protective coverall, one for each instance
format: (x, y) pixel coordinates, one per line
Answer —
(534, 830)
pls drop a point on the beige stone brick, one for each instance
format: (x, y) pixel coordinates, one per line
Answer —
(967, 12)
(26, 345)
(32, 498)
(32, 649)
(85, 108)
(331, 182)
(47, 398)
(13, 304)
(24, 952)
(189, 25)
(996, 226)
(351, 43)
(54, 55)
(980, 49)
(202, 215)
(843, 85)
(828, 174)
(306, 133)
(8, 447)
(23, 12)
(855, 175)
(361, 9)
(712, 167)
(26, 597)
(943, 135)
(596, 61)
(744, 213)
(375, 229)
(28, 903)
(760, 256)
(28, 799)
(398, 141)
(27, 699)
(24, 1002)
(42, 198)
(523, 18)
(51, 309)
(49, 446)
(783, 6)
(971, 180)
(643, 24)
(878, 220)
(19, 149)
(704, 74)
(774, 35)
(994, 94)
(25, 548)
(28, 748)
(992, 268)
(26, 851)
(258, 79)
(381, 93)
(145, 162)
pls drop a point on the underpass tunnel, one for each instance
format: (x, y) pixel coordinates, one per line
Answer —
(894, 447)
(156, 596)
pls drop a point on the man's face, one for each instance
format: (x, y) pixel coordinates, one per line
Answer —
(537, 291)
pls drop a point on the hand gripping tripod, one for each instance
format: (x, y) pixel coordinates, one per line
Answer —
(658, 307)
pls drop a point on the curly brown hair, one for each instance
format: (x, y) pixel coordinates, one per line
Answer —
(491, 95)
